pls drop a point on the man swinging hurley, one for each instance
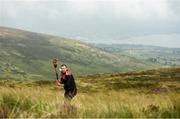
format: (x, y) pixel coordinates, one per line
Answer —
(67, 79)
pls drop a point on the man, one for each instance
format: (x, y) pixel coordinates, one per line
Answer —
(69, 83)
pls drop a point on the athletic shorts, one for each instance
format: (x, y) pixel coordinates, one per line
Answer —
(69, 94)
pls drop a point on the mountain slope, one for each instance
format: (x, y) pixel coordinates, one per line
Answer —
(27, 54)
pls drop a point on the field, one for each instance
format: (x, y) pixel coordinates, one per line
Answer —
(151, 93)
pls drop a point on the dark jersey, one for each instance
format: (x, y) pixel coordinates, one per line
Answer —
(68, 80)
(69, 83)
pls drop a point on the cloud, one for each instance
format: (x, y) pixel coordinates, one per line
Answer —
(174, 6)
(93, 19)
(137, 9)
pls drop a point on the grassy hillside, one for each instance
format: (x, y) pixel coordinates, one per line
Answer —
(152, 93)
(29, 55)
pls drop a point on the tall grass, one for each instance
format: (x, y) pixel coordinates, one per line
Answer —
(144, 94)
(49, 102)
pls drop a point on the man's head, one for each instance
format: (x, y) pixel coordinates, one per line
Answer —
(63, 68)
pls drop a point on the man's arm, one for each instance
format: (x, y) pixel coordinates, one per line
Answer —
(59, 82)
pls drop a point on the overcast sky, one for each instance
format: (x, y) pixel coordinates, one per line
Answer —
(149, 22)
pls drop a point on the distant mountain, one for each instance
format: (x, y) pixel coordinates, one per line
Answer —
(163, 56)
(25, 54)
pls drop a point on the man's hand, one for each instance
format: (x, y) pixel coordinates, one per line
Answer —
(58, 83)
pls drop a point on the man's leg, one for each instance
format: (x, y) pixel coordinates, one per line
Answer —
(73, 92)
(68, 97)
(69, 94)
